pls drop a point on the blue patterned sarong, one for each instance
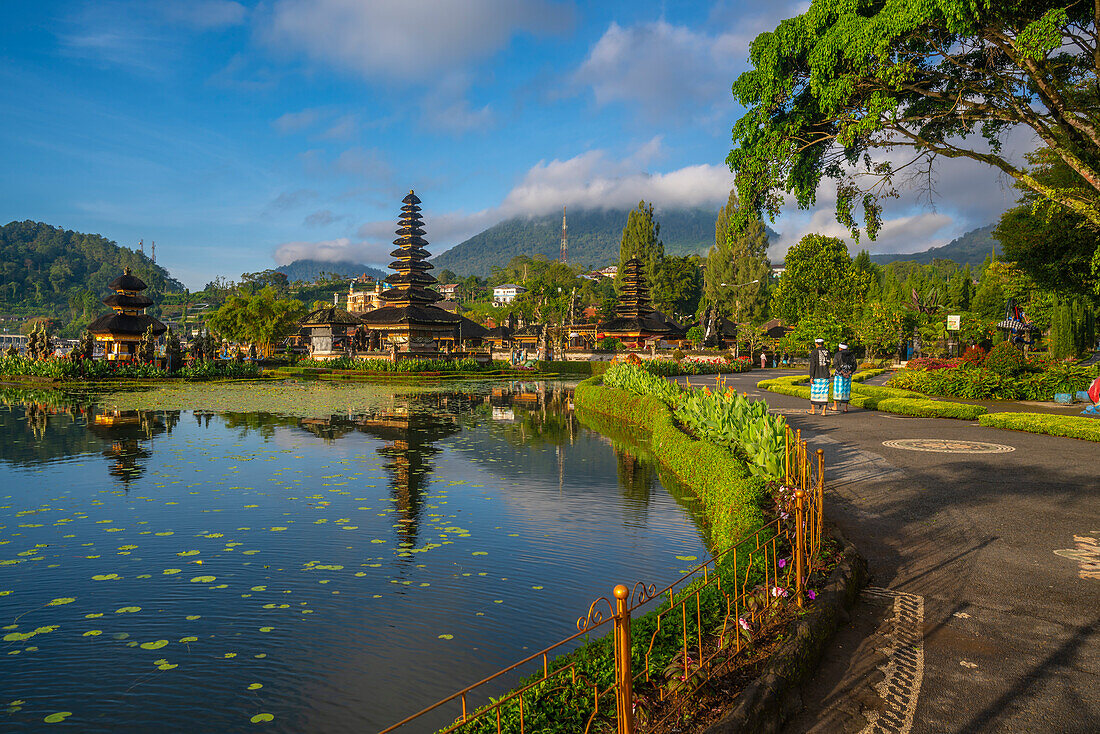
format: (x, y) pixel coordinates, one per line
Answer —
(819, 390)
(842, 388)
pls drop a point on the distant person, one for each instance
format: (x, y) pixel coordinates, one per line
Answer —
(763, 360)
(844, 362)
(819, 376)
(786, 358)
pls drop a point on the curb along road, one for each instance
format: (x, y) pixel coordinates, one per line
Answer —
(987, 550)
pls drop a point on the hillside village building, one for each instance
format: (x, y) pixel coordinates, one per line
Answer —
(504, 294)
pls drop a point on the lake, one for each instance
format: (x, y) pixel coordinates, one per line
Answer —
(322, 557)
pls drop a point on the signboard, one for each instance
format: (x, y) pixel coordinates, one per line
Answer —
(953, 323)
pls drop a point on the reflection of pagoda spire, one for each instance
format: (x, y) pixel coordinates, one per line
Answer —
(634, 299)
(127, 454)
(410, 282)
(127, 430)
(410, 471)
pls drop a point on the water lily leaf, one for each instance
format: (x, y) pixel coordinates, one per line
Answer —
(185, 640)
(266, 629)
(479, 553)
(170, 571)
(203, 579)
(261, 718)
(92, 633)
(167, 666)
(255, 686)
(62, 600)
(58, 717)
(158, 644)
(93, 615)
(230, 655)
(193, 617)
(188, 553)
(106, 577)
(127, 610)
(446, 637)
(686, 558)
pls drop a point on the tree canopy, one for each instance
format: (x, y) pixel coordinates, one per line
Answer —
(737, 258)
(941, 78)
(261, 318)
(818, 279)
(642, 239)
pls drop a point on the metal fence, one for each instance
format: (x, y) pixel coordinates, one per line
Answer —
(711, 613)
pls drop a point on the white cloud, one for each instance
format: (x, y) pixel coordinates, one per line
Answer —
(363, 164)
(344, 128)
(401, 41)
(673, 71)
(582, 182)
(447, 108)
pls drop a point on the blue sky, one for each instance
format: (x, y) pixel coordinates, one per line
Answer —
(242, 135)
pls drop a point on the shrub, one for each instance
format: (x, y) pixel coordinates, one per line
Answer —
(677, 355)
(640, 381)
(974, 355)
(1005, 360)
(609, 344)
(633, 359)
(730, 419)
(1070, 426)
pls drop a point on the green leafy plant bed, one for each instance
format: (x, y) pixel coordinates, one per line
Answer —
(982, 383)
(1069, 426)
(402, 365)
(86, 370)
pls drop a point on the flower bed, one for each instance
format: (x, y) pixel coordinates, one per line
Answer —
(981, 383)
(64, 368)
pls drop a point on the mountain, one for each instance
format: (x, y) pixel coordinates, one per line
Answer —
(594, 236)
(46, 270)
(310, 270)
(971, 248)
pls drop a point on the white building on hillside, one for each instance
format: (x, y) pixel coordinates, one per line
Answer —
(507, 293)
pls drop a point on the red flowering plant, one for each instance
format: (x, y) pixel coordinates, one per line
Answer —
(932, 363)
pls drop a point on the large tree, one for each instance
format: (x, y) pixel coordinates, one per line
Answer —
(819, 279)
(262, 318)
(738, 257)
(913, 82)
(679, 287)
(1055, 248)
(642, 239)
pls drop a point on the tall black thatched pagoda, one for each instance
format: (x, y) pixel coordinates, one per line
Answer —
(635, 319)
(410, 318)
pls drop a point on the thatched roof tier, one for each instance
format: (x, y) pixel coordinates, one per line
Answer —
(123, 301)
(411, 198)
(416, 241)
(402, 293)
(329, 316)
(654, 323)
(127, 324)
(127, 282)
(410, 253)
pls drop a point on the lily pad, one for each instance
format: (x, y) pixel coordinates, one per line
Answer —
(203, 579)
(446, 637)
(255, 686)
(127, 610)
(156, 645)
(261, 718)
(58, 717)
(59, 602)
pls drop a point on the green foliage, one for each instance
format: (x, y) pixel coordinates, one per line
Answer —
(695, 335)
(1073, 328)
(641, 239)
(173, 351)
(262, 318)
(818, 281)
(678, 287)
(831, 86)
(401, 365)
(870, 397)
(733, 420)
(147, 347)
(737, 258)
(87, 369)
(800, 340)
(638, 380)
(667, 368)
(1005, 360)
(609, 344)
(313, 270)
(978, 383)
(1086, 429)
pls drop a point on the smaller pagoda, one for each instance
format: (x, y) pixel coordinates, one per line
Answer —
(121, 331)
(635, 320)
(330, 332)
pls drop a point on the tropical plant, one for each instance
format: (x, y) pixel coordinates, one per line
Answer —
(729, 418)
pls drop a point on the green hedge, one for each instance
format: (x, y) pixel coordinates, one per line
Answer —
(732, 499)
(574, 367)
(979, 383)
(1070, 426)
(885, 399)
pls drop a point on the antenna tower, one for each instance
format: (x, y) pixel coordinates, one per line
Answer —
(564, 239)
(154, 252)
(141, 246)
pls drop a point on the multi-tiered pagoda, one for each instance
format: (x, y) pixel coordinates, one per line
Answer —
(635, 320)
(410, 319)
(121, 330)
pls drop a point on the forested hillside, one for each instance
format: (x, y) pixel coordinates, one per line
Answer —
(971, 248)
(594, 237)
(310, 270)
(50, 271)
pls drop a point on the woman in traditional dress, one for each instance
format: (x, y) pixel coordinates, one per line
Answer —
(845, 365)
(819, 376)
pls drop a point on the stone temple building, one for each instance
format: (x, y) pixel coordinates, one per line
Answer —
(121, 330)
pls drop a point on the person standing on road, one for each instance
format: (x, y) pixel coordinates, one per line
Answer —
(819, 376)
(844, 362)
(763, 359)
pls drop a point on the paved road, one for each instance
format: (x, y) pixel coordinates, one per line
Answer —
(984, 614)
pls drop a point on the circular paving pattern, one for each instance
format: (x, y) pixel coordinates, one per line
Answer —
(947, 446)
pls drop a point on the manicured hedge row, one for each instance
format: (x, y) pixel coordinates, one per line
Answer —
(1070, 426)
(732, 500)
(886, 399)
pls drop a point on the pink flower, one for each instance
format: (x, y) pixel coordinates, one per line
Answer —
(782, 562)
(744, 624)
(812, 594)
(778, 591)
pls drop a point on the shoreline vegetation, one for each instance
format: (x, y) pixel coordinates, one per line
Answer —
(733, 472)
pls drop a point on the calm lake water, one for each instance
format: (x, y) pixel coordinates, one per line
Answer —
(334, 556)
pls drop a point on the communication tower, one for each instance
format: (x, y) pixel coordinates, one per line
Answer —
(564, 239)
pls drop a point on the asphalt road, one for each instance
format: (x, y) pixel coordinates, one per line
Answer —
(985, 616)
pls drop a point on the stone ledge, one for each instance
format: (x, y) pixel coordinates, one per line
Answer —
(770, 700)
